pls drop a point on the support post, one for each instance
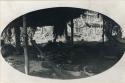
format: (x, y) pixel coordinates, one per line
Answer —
(17, 37)
(72, 31)
(103, 32)
(66, 33)
(26, 67)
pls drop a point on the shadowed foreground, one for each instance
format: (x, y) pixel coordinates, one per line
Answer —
(73, 61)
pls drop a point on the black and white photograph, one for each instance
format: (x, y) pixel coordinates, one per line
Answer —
(62, 42)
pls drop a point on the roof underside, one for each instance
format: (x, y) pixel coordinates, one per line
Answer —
(50, 16)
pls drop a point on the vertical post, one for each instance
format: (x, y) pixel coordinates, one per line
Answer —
(72, 31)
(26, 67)
(17, 37)
(103, 32)
(66, 32)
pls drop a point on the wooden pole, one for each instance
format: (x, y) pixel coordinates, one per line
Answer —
(72, 31)
(103, 32)
(66, 32)
(26, 67)
(17, 37)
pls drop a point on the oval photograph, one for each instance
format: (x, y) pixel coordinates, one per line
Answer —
(62, 43)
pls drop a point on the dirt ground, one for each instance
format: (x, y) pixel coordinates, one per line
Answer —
(81, 62)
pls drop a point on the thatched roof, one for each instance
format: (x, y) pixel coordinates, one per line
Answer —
(58, 17)
(50, 16)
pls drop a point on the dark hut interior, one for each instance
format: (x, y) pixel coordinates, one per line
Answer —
(61, 57)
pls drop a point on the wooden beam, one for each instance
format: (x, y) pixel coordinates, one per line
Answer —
(26, 67)
(72, 31)
(66, 32)
(17, 37)
(103, 32)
